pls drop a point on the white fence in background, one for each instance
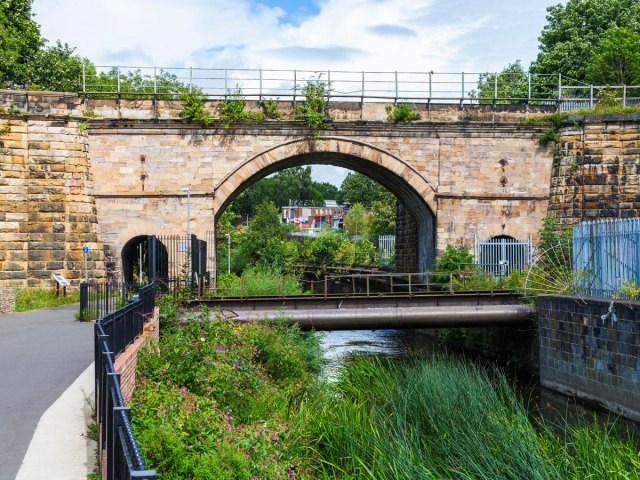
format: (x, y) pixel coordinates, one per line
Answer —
(386, 249)
(606, 254)
(502, 255)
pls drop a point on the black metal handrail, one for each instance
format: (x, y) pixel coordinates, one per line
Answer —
(113, 333)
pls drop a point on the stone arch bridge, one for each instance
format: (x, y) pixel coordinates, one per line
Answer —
(121, 178)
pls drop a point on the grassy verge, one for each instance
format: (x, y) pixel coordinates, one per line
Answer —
(445, 419)
(33, 298)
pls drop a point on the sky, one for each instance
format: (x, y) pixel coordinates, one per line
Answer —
(371, 35)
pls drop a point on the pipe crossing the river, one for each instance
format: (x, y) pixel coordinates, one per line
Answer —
(395, 318)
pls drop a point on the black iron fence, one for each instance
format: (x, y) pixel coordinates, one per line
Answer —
(114, 331)
(100, 299)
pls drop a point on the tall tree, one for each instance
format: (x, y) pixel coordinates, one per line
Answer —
(617, 58)
(358, 188)
(573, 32)
(20, 41)
(357, 220)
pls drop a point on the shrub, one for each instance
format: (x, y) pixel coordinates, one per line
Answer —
(193, 106)
(401, 112)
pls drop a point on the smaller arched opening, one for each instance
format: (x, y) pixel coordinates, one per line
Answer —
(503, 254)
(136, 261)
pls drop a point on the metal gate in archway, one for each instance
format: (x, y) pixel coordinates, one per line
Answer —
(502, 255)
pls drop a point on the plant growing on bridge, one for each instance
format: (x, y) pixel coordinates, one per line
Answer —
(270, 109)
(401, 112)
(232, 109)
(313, 110)
(193, 106)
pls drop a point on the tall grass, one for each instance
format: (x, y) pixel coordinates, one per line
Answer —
(257, 282)
(33, 298)
(445, 419)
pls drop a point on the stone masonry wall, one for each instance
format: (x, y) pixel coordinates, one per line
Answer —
(406, 237)
(47, 208)
(585, 355)
(481, 172)
(596, 172)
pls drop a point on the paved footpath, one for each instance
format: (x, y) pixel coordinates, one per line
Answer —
(42, 353)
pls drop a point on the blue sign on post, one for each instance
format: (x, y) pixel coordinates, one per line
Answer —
(85, 249)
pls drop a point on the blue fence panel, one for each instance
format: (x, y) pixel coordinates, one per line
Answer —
(606, 254)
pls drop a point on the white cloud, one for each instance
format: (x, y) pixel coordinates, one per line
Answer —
(452, 35)
(356, 35)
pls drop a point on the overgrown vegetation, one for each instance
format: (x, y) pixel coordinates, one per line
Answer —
(313, 110)
(193, 107)
(34, 298)
(214, 399)
(232, 109)
(401, 112)
(270, 109)
(442, 418)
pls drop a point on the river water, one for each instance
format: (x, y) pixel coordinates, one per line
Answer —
(557, 408)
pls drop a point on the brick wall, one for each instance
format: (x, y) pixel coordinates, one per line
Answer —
(126, 362)
(581, 354)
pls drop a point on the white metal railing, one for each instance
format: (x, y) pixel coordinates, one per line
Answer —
(372, 86)
(500, 256)
(606, 254)
(386, 248)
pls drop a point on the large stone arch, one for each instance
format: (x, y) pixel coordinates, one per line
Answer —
(411, 188)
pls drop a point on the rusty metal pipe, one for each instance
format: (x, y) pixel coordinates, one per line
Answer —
(396, 318)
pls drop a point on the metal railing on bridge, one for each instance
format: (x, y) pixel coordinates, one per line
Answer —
(556, 91)
(359, 284)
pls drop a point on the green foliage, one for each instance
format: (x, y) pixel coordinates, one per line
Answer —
(357, 220)
(401, 112)
(264, 241)
(617, 58)
(313, 110)
(629, 290)
(232, 110)
(258, 281)
(445, 419)
(193, 108)
(555, 120)
(383, 218)
(82, 126)
(570, 41)
(453, 259)
(358, 188)
(323, 249)
(512, 83)
(270, 109)
(213, 398)
(34, 298)
(57, 68)
(20, 44)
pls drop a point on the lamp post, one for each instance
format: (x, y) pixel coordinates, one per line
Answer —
(228, 252)
(188, 190)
